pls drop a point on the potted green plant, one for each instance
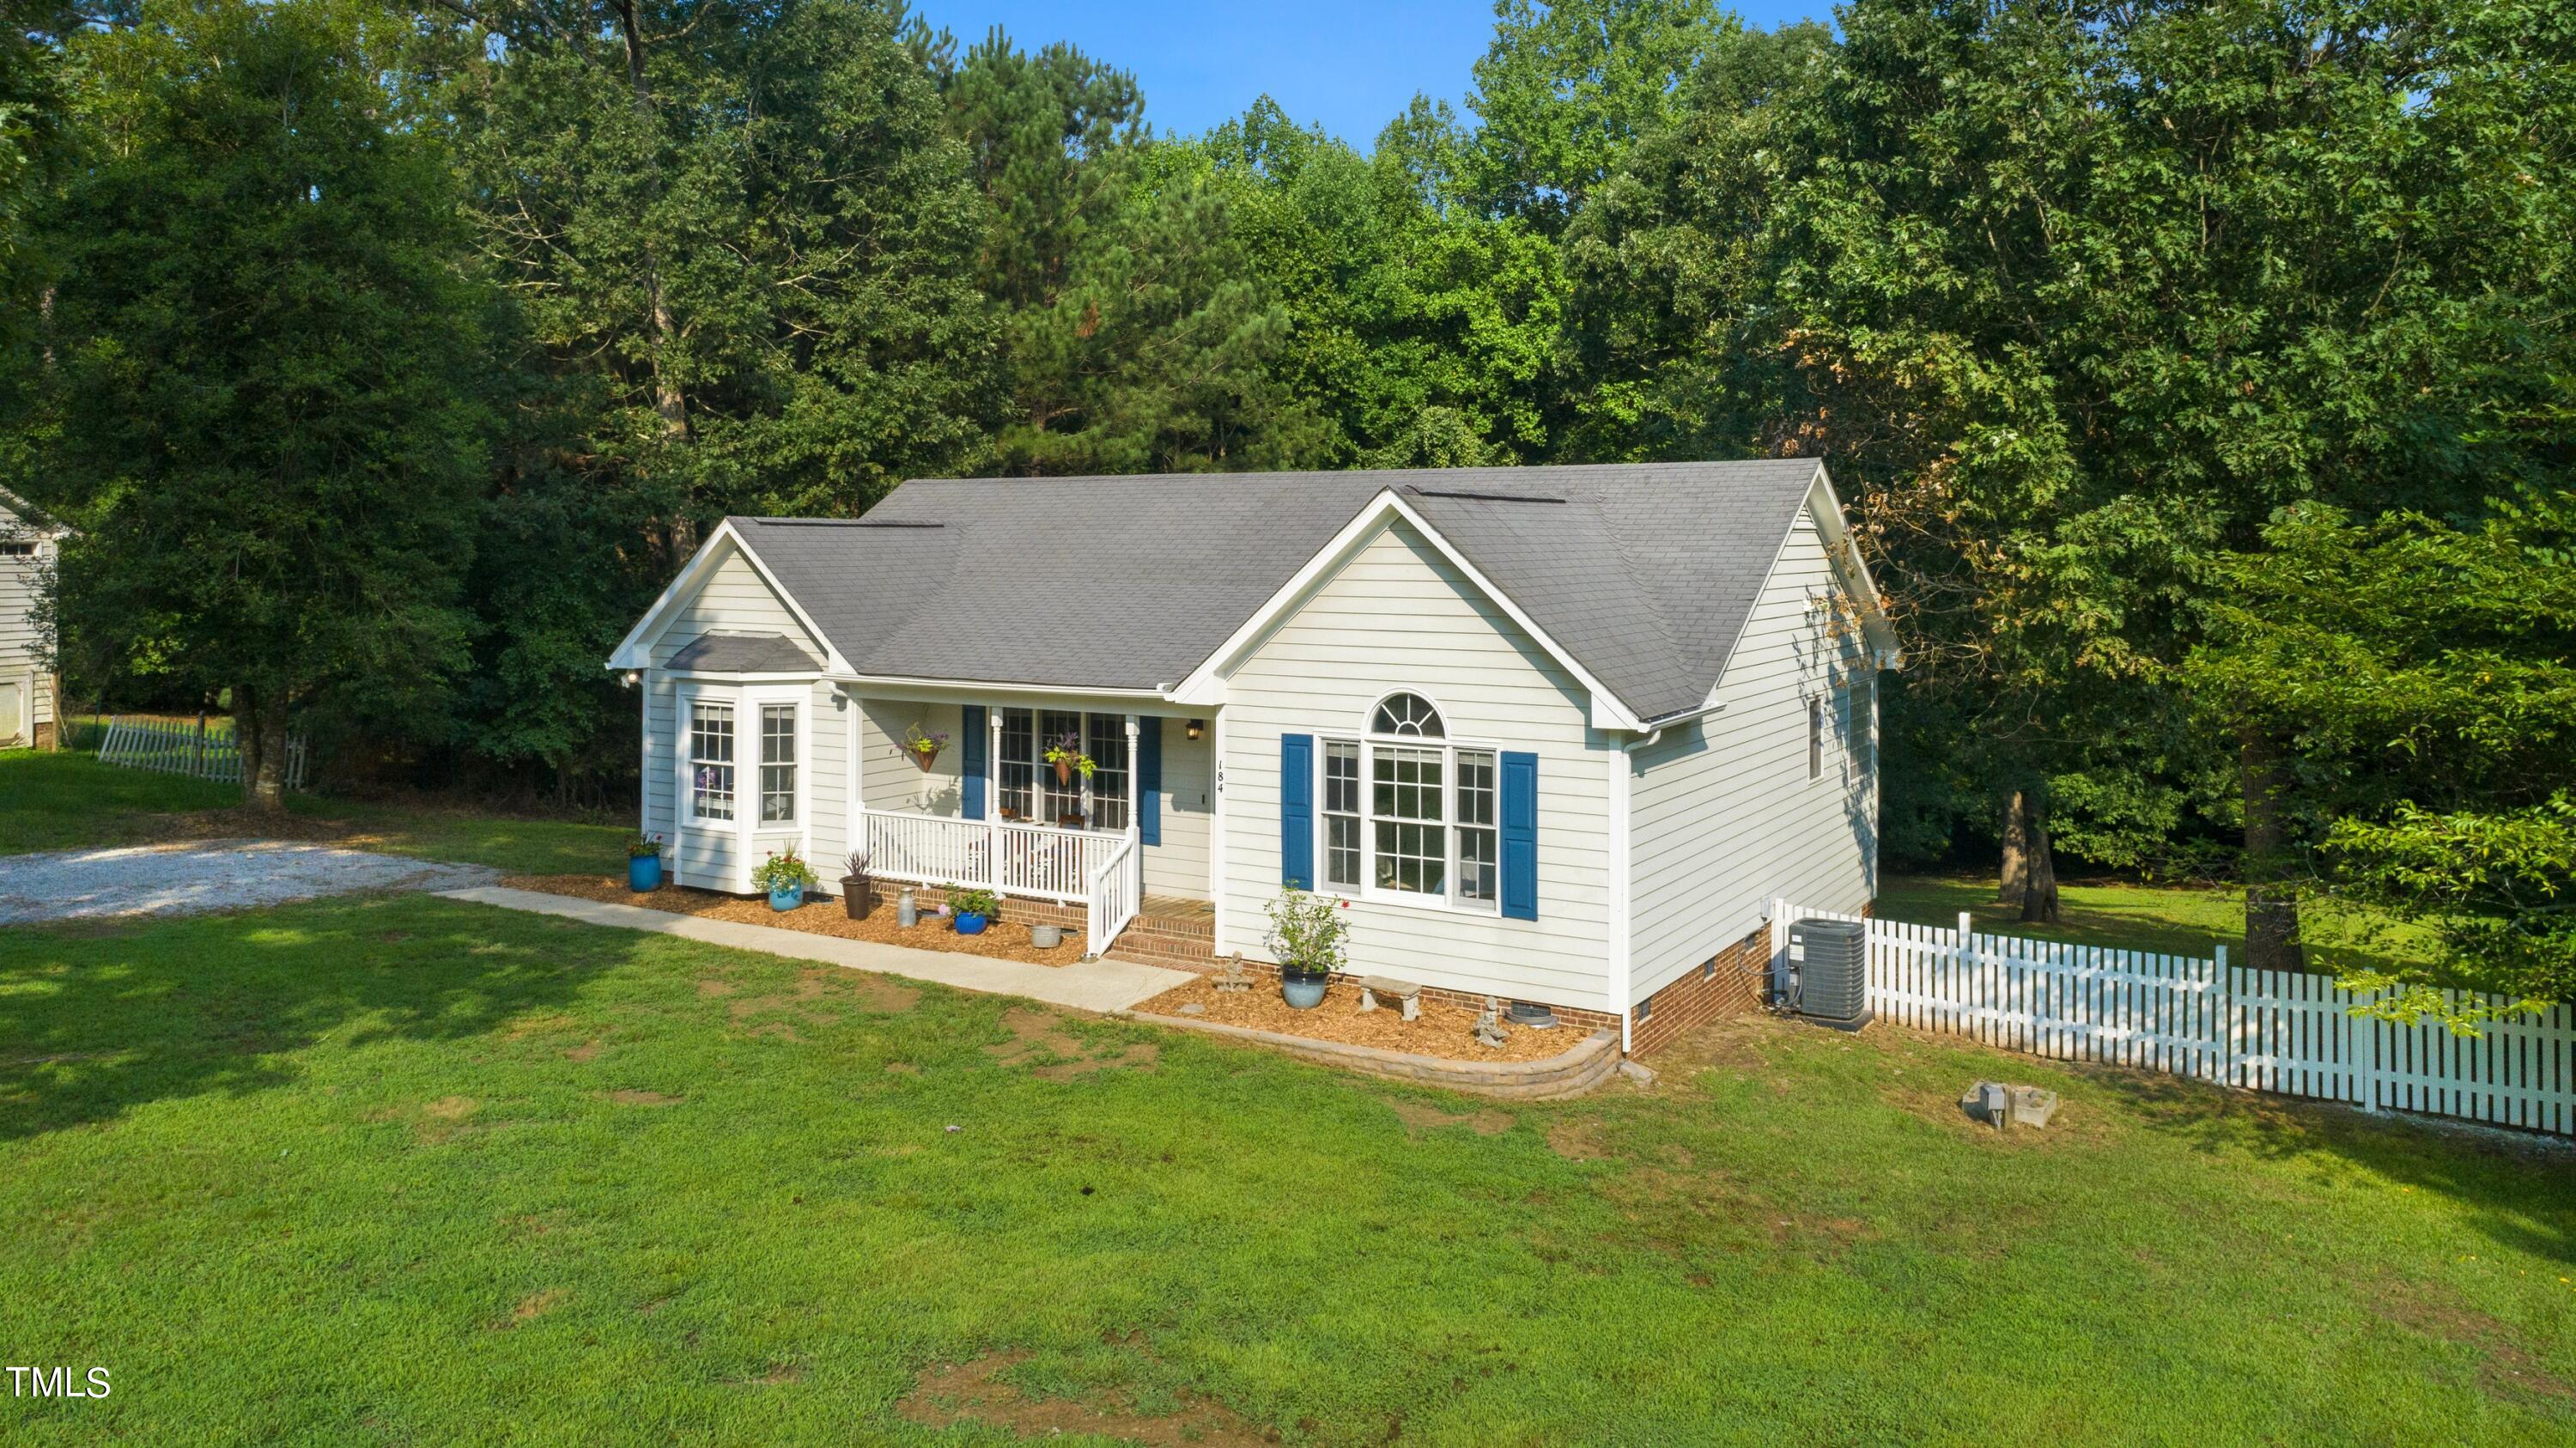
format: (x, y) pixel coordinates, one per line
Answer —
(856, 897)
(924, 745)
(786, 877)
(1308, 935)
(1064, 751)
(973, 909)
(644, 864)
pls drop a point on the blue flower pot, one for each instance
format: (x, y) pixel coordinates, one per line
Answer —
(1303, 989)
(971, 924)
(787, 898)
(644, 873)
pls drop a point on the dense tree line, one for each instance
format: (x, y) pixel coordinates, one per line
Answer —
(2198, 371)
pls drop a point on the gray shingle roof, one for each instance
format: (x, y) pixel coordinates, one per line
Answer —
(1645, 573)
(744, 654)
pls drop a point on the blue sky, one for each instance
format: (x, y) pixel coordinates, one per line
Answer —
(1350, 64)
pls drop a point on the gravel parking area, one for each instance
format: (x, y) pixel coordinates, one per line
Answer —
(217, 875)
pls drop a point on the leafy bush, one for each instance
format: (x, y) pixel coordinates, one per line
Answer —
(783, 872)
(1308, 931)
(974, 902)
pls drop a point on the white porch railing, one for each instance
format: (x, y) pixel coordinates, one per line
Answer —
(1098, 869)
(1116, 893)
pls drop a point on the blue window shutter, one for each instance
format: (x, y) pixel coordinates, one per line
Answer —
(970, 788)
(1520, 836)
(1149, 779)
(1297, 811)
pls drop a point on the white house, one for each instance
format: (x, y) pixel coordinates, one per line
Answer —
(27, 544)
(1557, 734)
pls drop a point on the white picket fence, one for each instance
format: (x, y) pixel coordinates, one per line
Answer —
(168, 747)
(2266, 1030)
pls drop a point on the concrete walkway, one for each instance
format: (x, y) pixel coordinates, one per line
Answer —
(1091, 985)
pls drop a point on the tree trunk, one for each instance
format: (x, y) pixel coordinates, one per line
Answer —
(259, 722)
(667, 397)
(2271, 903)
(2016, 870)
(2039, 887)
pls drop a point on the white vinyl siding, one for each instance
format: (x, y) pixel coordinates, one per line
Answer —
(22, 644)
(889, 778)
(1723, 815)
(1397, 616)
(734, 599)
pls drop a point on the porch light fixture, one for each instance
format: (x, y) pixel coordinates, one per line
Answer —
(634, 677)
(1195, 727)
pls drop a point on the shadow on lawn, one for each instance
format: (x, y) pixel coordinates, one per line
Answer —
(98, 1020)
(2519, 1191)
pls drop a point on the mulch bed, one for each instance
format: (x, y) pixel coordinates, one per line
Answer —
(1447, 1031)
(1001, 940)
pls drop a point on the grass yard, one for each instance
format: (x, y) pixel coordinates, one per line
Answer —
(416, 1170)
(68, 800)
(2175, 920)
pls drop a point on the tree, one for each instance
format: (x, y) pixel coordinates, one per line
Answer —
(266, 380)
(2076, 297)
(1135, 335)
(2422, 680)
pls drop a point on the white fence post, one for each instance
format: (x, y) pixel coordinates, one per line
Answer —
(2225, 1014)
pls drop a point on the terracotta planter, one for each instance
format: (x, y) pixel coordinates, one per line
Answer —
(1064, 771)
(925, 758)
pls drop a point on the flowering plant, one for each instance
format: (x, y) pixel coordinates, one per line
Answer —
(1066, 750)
(642, 845)
(1308, 931)
(783, 872)
(924, 744)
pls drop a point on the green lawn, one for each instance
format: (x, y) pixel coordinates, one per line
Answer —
(414, 1170)
(70, 801)
(2175, 920)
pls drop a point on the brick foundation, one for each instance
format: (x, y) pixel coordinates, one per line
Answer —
(1732, 982)
(44, 735)
(1014, 910)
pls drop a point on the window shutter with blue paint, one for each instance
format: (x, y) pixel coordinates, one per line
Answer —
(1520, 836)
(1149, 779)
(970, 788)
(1297, 811)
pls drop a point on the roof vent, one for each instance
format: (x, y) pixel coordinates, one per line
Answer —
(1480, 497)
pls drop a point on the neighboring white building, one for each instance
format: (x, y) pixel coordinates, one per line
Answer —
(27, 544)
(1556, 734)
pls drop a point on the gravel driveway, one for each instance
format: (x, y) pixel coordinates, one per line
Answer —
(218, 875)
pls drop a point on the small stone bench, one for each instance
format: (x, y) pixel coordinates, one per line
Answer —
(1404, 992)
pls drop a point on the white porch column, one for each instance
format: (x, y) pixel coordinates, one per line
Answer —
(1135, 821)
(992, 796)
(1135, 776)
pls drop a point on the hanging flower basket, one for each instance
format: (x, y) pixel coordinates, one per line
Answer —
(1065, 753)
(924, 745)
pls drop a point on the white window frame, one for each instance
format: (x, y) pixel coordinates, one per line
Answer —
(1815, 737)
(754, 702)
(689, 762)
(1449, 745)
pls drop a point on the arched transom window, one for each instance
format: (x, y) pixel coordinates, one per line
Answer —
(1407, 716)
(1408, 812)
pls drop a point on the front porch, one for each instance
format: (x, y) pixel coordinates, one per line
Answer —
(1112, 842)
